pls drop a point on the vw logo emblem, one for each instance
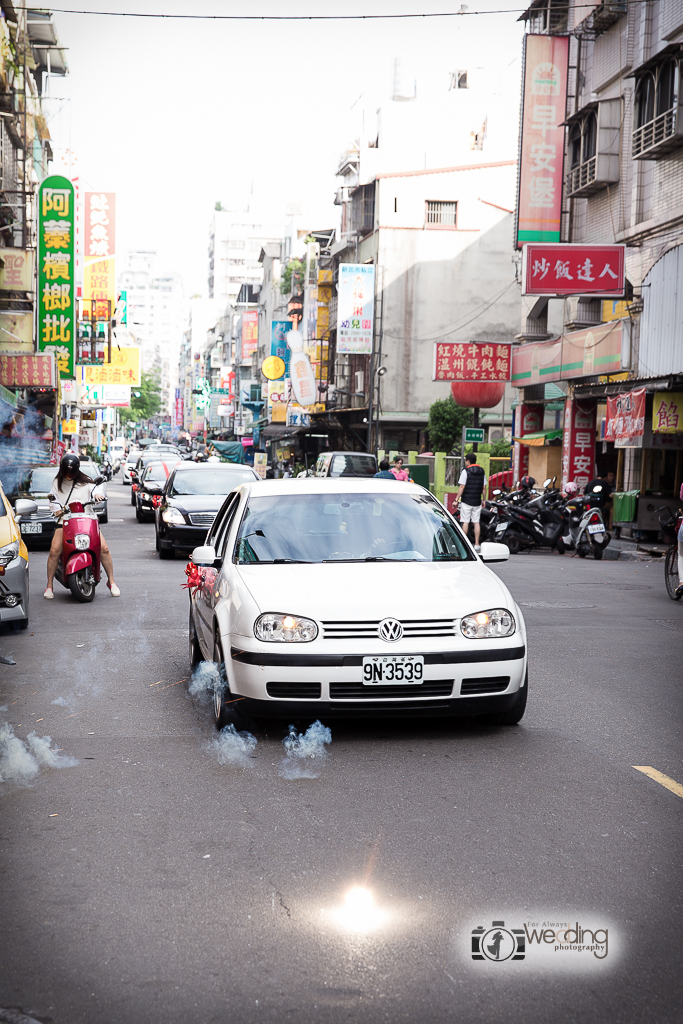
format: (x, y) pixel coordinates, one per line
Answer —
(390, 630)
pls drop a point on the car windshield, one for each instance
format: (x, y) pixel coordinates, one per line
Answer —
(348, 527)
(157, 472)
(353, 465)
(209, 481)
(39, 481)
(90, 469)
(133, 457)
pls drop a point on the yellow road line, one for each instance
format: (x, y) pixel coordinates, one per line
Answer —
(662, 779)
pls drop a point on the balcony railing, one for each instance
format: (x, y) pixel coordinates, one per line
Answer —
(582, 176)
(658, 134)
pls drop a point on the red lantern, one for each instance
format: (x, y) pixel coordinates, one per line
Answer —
(477, 395)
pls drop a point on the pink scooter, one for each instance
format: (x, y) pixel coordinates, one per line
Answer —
(78, 568)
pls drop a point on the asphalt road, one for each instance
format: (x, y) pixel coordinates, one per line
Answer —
(150, 883)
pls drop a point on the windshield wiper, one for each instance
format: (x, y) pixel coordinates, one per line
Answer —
(383, 558)
(278, 561)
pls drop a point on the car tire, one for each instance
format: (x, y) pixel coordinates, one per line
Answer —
(104, 518)
(139, 516)
(221, 695)
(515, 714)
(132, 497)
(195, 650)
(22, 624)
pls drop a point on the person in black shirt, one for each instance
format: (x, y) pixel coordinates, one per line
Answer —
(607, 485)
(472, 483)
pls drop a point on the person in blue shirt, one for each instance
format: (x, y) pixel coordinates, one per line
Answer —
(384, 471)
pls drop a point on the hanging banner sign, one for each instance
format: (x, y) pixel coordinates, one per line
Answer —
(99, 273)
(667, 412)
(355, 308)
(28, 371)
(573, 270)
(279, 329)
(625, 416)
(544, 101)
(578, 442)
(476, 361)
(249, 334)
(56, 289)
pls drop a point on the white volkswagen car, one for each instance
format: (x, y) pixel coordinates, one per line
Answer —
(354, 597)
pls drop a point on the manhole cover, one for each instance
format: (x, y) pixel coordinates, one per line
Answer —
(555, 604)
(671, 623)
(612, 586)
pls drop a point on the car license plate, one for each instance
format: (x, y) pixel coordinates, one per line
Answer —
(393, 668)
(500, 527)
(31, 527)
(596, 528)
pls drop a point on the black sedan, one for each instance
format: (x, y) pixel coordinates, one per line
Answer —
(151, 484)
(152, 454)
(190, 500)
(37, 529)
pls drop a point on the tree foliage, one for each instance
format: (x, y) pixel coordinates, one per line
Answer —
(446, 420)
(145, 400)
(293, 277)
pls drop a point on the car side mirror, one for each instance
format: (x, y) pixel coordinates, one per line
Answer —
(204, 555)
(99, 480)
(492, 552)
(25, 507)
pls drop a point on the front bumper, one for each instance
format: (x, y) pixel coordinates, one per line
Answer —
(182, 538)
(14, 581)
(471, 681)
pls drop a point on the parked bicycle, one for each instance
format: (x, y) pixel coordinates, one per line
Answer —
(671, 523)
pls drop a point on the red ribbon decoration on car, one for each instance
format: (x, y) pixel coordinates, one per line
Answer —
(195, 578)
(156, 500)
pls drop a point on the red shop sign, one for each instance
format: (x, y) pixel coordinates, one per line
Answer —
(472, 360)
(573, 270)
(626, 416)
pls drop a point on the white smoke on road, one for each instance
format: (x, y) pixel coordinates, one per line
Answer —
(305, 753)
(20, 761)
(233, 747)
(204, 679)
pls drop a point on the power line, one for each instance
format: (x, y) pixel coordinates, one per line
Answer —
(441, 332)
(300, 17)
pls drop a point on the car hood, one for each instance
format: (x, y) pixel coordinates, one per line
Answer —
(198, 502)
(362, 591)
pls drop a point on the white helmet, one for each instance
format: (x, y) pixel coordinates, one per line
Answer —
(213, 458)
(570, 489)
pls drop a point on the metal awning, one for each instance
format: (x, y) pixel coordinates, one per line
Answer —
(539, 438)
(279, 430)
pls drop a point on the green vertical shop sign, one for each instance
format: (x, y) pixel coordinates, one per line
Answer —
(56, 272)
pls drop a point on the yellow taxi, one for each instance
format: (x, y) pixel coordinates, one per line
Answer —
(13, 562)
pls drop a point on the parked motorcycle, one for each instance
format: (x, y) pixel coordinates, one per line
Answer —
(78, 569)
(541, 522)
(586, 531)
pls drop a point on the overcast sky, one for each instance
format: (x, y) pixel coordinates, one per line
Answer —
(174, 115)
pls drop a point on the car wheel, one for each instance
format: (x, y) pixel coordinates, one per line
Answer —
(139, 516)
(132, 497)
(221, 691)
(156, 541)
(195, 650)
(516, 713)
(22, 624)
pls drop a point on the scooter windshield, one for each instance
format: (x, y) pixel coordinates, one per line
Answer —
(76, 506)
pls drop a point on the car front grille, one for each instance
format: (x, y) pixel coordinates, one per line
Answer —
(412, 629)
(494, 684)
(202, 518)
(302, 691)
(358, 691)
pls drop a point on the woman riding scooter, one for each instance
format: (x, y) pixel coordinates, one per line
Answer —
(72, 485)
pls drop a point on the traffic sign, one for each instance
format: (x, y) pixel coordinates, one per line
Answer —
(473, 434)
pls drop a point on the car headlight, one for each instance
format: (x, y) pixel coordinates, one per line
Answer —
(9, 553)
(281, 628)
(173, 515)
(487, 625)
(82, 541)
(144, 494)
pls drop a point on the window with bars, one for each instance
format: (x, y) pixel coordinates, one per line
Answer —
(441, 214)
